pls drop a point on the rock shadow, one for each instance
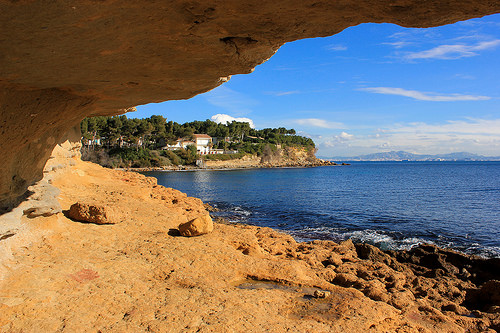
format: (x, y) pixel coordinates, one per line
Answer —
(174, 232)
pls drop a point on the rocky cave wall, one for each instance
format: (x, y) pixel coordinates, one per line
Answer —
(64, 60)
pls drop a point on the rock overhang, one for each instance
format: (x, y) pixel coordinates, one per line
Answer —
(62, 61)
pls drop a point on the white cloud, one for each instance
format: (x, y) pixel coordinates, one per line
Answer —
(224, 119)
(336, 47)
(424, 96)
(345, 136)
(337, 140)
(480, 136)
(315, 122)
(454, 51)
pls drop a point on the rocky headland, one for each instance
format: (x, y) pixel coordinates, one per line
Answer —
(291, 157)
(286, 157)
(130, 269)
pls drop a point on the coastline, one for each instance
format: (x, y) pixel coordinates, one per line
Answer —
(236, 166)
(140, 275)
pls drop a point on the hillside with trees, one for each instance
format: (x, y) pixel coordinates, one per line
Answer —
(122, 142)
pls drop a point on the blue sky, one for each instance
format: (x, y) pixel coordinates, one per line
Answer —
(371, 88)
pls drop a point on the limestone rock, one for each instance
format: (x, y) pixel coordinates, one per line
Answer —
(47, 208)
(198, 226)
(94, 213)
(334, 259)
(43, 202)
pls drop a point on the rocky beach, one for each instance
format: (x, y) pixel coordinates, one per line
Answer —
(130, 270)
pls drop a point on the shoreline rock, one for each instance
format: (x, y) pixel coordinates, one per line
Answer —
(137, 276)
(234, 166)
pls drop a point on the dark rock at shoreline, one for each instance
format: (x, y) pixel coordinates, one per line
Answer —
(439, 282)
(210, 208)
(427, 259)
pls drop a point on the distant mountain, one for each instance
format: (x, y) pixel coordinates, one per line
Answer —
(406, 156)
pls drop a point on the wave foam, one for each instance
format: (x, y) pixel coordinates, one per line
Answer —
(382, 240)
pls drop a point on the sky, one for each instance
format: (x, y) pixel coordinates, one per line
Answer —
(371, 88)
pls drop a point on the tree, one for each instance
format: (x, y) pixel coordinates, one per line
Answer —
(192, 151)
(154, 132)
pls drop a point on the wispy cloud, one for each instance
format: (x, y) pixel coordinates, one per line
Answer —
(336, 47)
(230, 100)
(315, 122)
(416, 36)
(221, 118)
(477, 23)
(424, 96)
(283, 93)
(464, 77)
(399, 44)
(488, 127)
(467, 39)
(454, 51)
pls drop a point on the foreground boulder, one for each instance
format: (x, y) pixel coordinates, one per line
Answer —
(94, 213)
(196, 227)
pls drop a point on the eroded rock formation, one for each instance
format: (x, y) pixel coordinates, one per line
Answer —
(62, 61)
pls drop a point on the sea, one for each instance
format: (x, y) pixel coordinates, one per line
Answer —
(392, 205)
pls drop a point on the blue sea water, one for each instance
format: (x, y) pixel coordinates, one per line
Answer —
(394, 205)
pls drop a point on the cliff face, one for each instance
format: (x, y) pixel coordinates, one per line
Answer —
(63, 61)
(290, 156)
(281, 157)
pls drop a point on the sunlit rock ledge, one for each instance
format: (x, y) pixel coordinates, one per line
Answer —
(63, 61)
(139, 274)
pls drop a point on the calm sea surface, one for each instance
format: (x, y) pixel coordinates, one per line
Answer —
(394, 205)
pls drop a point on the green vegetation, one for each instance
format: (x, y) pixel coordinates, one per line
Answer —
(122, 142)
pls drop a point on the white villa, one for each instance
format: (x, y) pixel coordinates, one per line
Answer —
(180, 143)
(203, 143)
